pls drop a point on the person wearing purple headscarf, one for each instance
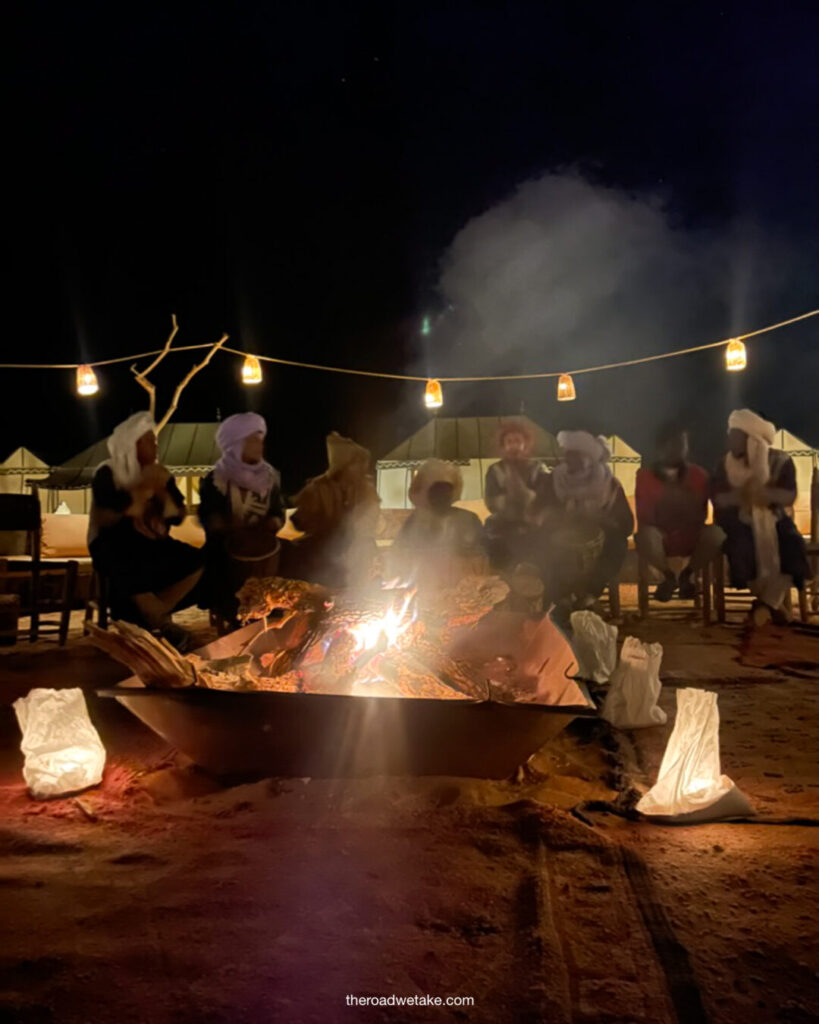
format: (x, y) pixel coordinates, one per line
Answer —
(241, 510)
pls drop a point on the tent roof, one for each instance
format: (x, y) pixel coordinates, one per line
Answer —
(789, 442)
(22, 458)
(190, 446)
(473, 437)
(621, 451)
(185, 448)
(465, 438)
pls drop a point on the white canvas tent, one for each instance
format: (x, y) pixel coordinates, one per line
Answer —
(20, 466)
(805, 458)
(188, 450)
(470, 442)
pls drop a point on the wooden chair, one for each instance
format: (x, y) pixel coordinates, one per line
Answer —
(704, 580)
(742, 600)
(34, 579)
(808, 595)
(98, 601)
(613, 593)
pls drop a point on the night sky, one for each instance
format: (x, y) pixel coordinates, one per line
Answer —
(294, 174)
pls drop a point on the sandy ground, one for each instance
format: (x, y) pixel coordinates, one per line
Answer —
(162, 897)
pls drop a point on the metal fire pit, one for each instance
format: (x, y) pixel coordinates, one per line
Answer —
(258, 734)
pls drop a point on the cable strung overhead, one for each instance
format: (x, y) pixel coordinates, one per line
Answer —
(735, 359)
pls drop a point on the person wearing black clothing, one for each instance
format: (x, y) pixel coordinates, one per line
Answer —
(135, 503)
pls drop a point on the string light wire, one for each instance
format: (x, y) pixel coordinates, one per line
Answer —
(408, 377)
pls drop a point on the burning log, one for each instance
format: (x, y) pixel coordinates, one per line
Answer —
(151, 658)
(374, 643)
(468, 602)
(259, 598)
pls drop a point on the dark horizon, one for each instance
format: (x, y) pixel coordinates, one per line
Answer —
(297, 178)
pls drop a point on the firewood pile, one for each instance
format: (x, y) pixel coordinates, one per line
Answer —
(377, 644)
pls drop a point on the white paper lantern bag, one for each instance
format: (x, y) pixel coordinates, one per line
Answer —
(690, 785)
(595, 645)
(62, 749)
(631, 701)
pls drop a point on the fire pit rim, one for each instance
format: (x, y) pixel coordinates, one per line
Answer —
(203, 694)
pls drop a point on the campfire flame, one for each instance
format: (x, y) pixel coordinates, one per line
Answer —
(385, 631)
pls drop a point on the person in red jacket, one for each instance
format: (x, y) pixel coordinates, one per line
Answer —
(672, 506)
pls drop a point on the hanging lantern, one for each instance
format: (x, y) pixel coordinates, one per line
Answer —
(735, 356)
(87, 383)
(433, 395)
(565, 388)
(251, 371)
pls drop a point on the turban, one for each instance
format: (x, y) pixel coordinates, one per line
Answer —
(342, 452)
(434, 471)
(122, 448)
(752, 425)
(594, 448)
(257, 477)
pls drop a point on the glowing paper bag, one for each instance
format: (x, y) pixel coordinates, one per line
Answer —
(62, 749)
(631, 701)
(595, 644)
(690, 785)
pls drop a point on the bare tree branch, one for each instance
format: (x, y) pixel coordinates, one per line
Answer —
(180, 387)
(149, 388)
(142, 375)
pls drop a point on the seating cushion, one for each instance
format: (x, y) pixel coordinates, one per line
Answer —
(189, 531)
(65, 536)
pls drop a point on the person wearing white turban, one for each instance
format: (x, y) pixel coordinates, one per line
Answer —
(438, 543)
(135, 501)
(754, 486)
(241, 511)
(586, 521)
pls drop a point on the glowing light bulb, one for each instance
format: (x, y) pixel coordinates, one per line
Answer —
(426, 326)
(251, 371)
(735, 356)
(565, 388)
(87, 383)
(433, 395)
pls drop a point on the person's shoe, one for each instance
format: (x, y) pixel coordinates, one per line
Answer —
(665, 590)
(688, 586)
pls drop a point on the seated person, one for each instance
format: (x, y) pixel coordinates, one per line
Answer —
(135, 502)
(511, 488)
(338, 513)
(438, 544)
(585, 520)
(241, 510)
(753, 486)
(672, 506)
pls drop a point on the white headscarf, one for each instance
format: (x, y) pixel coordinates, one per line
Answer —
(770, 584)
(592, 485)
(122, 447)
(761, 436)
(434, 471)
